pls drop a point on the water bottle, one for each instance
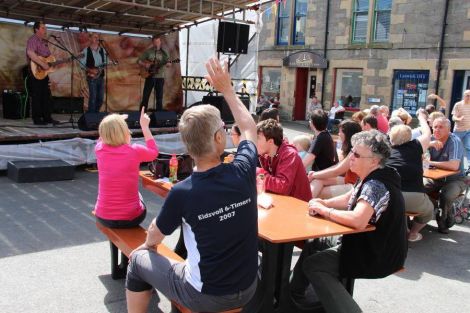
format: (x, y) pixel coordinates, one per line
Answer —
(173, 169)
(260, 184)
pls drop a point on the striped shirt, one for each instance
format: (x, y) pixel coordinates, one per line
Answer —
(462, 109)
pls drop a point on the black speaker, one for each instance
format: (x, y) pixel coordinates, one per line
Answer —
(164, 119)
(40, 170)
(15, 105)
(133, 119)
(219, 103)
(232, 38)
(91, 121)
(67, 105)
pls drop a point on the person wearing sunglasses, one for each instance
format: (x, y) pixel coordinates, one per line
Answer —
(376, 199)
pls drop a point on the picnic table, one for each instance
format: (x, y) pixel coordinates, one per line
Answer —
(279, 228)
(437, 173)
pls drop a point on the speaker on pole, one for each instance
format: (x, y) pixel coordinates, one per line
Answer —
(91, 121)
(233, 38)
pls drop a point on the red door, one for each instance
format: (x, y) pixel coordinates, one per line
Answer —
(301, 78)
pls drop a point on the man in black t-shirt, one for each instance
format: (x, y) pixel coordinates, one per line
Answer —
(322, 153)
(217, 209)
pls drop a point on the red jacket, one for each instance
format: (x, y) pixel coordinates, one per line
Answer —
(286, 175)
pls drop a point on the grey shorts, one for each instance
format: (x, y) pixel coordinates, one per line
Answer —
(148, 269)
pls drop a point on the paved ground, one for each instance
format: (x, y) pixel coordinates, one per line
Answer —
(54, 260)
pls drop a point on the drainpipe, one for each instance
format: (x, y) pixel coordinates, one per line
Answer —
(325, 47)
(441, 46)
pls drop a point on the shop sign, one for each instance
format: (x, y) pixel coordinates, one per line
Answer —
(305, 59)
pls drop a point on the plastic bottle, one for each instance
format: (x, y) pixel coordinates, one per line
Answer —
(260, 184)
(173, 168)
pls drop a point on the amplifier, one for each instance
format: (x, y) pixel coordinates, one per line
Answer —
(15, 105)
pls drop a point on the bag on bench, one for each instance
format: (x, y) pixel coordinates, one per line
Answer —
(160, 167)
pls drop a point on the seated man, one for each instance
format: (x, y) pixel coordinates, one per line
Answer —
(322, 152)
(216, 207)
(281, 163)
(376, 199)
(336, 108)
(447, 153)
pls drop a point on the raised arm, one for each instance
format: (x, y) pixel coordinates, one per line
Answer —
(425, 137)
(219, 78)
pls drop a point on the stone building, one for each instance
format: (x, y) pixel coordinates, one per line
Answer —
(363, 52)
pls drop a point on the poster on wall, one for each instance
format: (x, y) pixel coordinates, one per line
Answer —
(410, 89)
(124, 84)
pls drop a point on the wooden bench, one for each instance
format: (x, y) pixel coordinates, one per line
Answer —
(126, 240)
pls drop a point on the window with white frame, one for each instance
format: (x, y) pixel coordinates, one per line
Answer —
(348, 87)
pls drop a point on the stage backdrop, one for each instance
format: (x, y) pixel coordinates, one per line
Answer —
(125, 85)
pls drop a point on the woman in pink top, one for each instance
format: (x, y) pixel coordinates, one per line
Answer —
(119, 202)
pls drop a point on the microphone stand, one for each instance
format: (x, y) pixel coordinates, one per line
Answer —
(61, 46)
(106, 54)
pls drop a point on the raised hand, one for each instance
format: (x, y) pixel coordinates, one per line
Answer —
(218, 76)
(144, 119)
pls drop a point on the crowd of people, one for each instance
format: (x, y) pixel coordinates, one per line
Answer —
(373, 176)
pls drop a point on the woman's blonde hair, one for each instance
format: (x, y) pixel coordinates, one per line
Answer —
(400, 134)
(113, 130)
(198, 126)
(303, 141)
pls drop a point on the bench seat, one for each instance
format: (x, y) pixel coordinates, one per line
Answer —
(126, 240)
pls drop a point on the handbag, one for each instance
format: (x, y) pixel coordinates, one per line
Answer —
(160, 167)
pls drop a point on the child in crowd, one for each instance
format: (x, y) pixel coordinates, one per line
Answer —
(119, 202)
(302, 143)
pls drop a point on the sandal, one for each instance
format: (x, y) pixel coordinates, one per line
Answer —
(415, 237)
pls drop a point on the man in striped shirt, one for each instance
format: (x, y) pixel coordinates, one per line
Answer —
(461, 117)
(446, 152)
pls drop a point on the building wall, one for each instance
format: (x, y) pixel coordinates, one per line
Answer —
(415, 30)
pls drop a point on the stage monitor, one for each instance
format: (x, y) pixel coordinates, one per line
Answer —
(232, 38)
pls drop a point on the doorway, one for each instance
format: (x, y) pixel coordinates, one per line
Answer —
(300, 95)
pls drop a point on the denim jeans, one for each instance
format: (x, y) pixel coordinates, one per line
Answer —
(465, 138)
(96, 94)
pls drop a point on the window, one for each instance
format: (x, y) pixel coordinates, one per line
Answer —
(300, 22)
(283, 23)
(410, 90)
(382, 13)
(360, 17)
(271, 81)
(348, 87)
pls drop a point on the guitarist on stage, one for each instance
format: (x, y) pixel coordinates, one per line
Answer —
(37, 47)
(153, 61)
(94, 58)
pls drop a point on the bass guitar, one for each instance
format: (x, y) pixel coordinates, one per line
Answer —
(40, 73)
(153, 67)
(95, 72)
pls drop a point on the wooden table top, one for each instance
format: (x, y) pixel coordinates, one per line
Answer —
(437, 173)
(286, 221)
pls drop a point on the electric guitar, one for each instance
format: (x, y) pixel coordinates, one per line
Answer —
(39, 73)
(153, 68)
(95, 72)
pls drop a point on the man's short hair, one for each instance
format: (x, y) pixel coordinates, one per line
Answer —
(371, 120)
(271, 129)
(197, 127)
(319, 119)
(269, 113)
(394, 121)
(444, 120)
(113, 130)
(37, 25)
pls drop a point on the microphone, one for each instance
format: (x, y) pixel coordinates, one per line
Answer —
(55, 37)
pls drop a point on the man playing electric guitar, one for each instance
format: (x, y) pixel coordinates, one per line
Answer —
(94, 57)
(36, 50)
(154, 61)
